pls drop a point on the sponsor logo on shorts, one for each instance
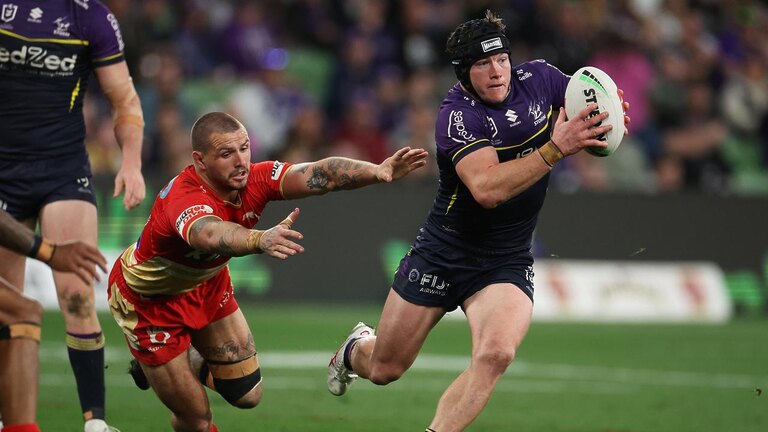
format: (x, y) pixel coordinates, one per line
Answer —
(225, 297)
(413, 275)
(277, 169)
(432, 284)
(84, 185)
(158, 336)
(529, 275)
(190, 213)
(82, 3)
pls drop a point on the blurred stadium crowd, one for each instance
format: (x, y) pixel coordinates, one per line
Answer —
(310, 78)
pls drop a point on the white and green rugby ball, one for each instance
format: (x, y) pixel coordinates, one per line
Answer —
(590, 84)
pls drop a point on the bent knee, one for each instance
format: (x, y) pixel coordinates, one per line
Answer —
(498, 358)
(385, 374)
(241, 391)
(250, 400)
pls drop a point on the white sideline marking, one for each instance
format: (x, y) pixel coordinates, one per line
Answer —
(521, 375)
(409, 384)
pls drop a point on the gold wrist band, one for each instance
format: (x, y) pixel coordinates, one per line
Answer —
(253, 240)
(550, 153)
(46, 251)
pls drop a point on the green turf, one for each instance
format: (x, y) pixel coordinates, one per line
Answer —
(567, 378)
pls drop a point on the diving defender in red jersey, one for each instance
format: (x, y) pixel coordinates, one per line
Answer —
(171, 289)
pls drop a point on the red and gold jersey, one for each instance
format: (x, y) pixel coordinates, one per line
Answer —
(162, 261)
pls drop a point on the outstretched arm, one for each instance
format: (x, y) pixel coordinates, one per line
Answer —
(338, 173)
(213, 235)
(127, 115)
(71, 256)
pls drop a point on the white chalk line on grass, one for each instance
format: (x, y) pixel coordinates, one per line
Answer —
(410, 384)
(521, 376)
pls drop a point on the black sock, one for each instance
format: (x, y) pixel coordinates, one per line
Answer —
(86, 355)
(348, 352)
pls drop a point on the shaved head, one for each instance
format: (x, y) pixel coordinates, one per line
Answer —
(214, 122)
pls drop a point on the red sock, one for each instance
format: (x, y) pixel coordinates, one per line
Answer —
(213, 428)
(29, 427)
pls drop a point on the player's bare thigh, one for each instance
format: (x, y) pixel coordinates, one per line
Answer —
(72, 220)
(401, 332)
(228, 344)
(69, 220)
(12, 264)
(499, 317)
(225, 340)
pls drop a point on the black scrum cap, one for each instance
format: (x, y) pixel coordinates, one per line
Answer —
(474, 40)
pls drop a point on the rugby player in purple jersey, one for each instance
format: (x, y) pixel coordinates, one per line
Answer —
(48, 50)
(499, 132)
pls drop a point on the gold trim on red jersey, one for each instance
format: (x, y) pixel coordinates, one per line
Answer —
(161, 276)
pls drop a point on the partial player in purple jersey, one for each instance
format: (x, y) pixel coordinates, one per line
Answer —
(499, 132)
(48, 50)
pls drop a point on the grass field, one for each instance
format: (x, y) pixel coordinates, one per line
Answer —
(567, 378)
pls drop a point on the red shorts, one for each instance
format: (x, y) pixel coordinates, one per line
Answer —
(158, 328)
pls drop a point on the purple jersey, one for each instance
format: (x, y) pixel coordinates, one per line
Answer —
(48, 49)
(515, 129)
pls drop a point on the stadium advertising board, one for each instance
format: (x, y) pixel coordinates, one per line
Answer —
(565, 290)
(630, 291)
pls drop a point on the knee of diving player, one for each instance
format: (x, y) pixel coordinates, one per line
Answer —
(238, 382)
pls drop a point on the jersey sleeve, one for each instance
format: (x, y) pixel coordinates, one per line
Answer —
(267, 178)
(185, 208)
(557, 81)
(460, 130)
(104, 37)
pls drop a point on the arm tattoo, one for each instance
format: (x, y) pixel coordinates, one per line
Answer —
(336, 164)
(347, 181)
(345, 172)
(318, 180)
(225, 243)
(198, 226)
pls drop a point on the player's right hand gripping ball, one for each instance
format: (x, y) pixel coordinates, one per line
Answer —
(591, 85)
